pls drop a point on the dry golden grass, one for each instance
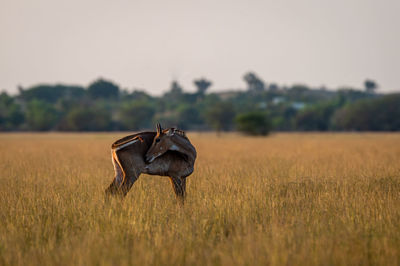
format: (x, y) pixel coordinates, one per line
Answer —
(289, 199)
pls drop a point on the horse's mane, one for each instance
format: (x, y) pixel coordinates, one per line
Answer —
(129, 138)
(177, 131)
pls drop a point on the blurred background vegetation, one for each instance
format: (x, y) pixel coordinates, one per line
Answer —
(256, 110)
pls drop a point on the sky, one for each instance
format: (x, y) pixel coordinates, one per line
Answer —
(147, 44)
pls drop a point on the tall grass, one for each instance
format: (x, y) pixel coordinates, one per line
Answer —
(289, 199)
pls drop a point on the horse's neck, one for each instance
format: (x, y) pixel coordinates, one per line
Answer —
(148, 137)
(187, 149)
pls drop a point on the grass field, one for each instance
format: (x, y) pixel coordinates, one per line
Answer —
(289, 199)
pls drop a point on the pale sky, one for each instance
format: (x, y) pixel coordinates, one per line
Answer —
(146, 44)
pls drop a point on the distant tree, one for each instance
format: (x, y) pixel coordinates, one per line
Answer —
(298, 93)
(187, 116)
(254, 83)
(254, 123)
(282, 116)
(176, 88)
(51, 93)
(103, 89)
(41, 115)
(220, 116)
(175, 92)
(202, 85)
(103, 106)
(273, 87)
(11, 116)
(207, 102)
(173, 97)
(139, 95)
(370, 86)
(315, 118)
(349, 95)
(137, 115)
(167, 119)
(88, 119)
(374, 114)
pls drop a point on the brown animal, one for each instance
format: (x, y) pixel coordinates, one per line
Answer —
(165, 153)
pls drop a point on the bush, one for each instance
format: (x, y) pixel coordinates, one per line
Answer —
(379, 114)
(86, 119)
(254, 123)
(137, 115)
(41, 115)
(11, 116)
(220, 115)
(317, 117)
(103, 89)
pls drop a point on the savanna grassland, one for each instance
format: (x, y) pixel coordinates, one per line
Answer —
(288, 199)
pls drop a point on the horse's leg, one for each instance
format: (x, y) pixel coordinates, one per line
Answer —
(129, 180)
(133, 165)
(179, 186)
(115, 185)
(124, 179)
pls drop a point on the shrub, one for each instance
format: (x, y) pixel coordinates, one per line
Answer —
(254, 123)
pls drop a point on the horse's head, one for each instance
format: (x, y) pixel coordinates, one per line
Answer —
(166, 140)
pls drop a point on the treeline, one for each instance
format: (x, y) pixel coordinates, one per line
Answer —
(103, 106)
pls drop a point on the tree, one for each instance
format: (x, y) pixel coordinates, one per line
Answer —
(254, 123)
(103, 89)
(88, 119)
(254, 83)
(374, 114)
(137, 95)
(41, 115)
(298, 93)
(187, 116)
(11, 116)
(317, 117)
(202, 85)
(370, 86)
(220, 116)
(137, 115)
(184, 117)
(51, 93)
(174, 96)
(176, 88)
(273, 87)
(350, 95)
(167, 119)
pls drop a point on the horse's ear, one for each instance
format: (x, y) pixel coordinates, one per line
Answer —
(159, 129)
(171, 132)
